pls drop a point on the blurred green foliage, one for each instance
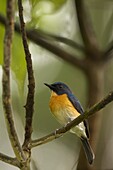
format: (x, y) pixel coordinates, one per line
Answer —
(58, 17)
(57, 3)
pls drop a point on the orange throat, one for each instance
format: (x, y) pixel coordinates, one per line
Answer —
(56, 102)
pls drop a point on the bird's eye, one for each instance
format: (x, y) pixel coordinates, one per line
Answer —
(60, 87)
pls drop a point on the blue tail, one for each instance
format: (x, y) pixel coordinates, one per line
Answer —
(88, 150)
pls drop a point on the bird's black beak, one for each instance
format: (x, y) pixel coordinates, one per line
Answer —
(50, 86)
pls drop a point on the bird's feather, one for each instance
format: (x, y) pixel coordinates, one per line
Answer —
(79, 108)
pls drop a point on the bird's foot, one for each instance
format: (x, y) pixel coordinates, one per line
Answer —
(55, 133)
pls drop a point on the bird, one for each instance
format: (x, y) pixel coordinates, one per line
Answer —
(65, 106)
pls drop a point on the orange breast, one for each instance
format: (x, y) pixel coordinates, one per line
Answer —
(64, 112)
(58, 101)
(62, 108)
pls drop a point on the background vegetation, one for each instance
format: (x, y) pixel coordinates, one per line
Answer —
(86, 66)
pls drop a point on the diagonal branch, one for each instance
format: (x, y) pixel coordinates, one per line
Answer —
(48, 36)
(58, 133)
(31, 81)
(9, 160)
(64, 40)
(87, 32)
(6, 96)
(56, 49)
(50, 46)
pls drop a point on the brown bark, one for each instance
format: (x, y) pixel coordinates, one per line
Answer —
(95, 78)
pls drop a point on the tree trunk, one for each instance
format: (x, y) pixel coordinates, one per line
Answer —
(95, 78)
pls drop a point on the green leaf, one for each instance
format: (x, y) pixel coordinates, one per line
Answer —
(1, 43)
(3, 7)
(18, 63)
(43, 8)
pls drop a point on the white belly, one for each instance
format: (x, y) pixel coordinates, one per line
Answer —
(64, 117)
(79, 130)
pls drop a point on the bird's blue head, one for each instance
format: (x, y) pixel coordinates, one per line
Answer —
(59, 88)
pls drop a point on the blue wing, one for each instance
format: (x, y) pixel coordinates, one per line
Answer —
(76, 103)
(80, 109)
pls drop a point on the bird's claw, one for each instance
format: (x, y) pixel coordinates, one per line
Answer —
(67, 123)
(56, 133)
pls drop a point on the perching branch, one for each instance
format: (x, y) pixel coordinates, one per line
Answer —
(58, 133)
(6, 96)
(31, 81)
(9, 160)
(86, 30)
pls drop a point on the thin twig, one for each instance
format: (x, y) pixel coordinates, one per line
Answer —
(31, 81)
(86, 29)
(6, 96)
(59, 132)
(9, 160)
(50, 46)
